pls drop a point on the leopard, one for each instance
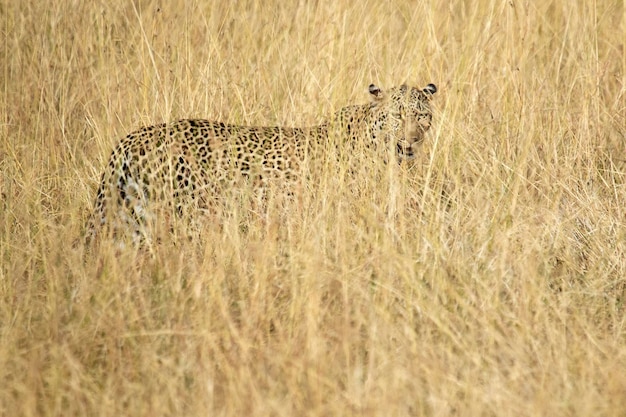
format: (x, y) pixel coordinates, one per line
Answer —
(188, 162)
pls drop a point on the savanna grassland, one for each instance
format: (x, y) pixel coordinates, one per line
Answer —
(487, 278)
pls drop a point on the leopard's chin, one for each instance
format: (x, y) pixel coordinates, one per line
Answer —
(405, 152)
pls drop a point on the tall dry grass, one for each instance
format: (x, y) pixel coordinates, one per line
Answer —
(486, 279)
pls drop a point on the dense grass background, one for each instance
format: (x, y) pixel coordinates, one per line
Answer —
(485, 279)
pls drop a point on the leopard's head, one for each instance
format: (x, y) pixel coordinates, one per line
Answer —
(401, 116)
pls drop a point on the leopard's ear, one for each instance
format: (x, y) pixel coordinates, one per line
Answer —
(376, 92)
(430, 89)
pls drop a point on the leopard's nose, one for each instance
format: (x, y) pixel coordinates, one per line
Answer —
(415, 140)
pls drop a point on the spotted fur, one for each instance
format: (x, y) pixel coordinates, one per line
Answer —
(188, 162)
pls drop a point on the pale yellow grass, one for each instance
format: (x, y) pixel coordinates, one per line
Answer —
(486, 279)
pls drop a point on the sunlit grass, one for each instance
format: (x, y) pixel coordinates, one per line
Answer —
(487, 278)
